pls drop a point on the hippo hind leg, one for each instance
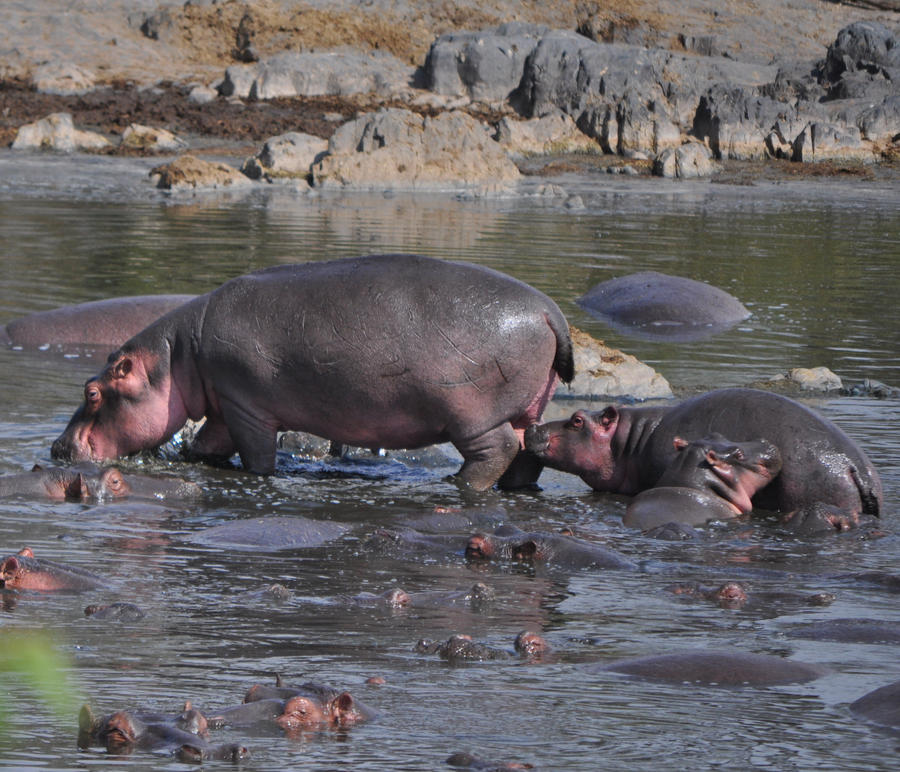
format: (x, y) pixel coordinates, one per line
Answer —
(487, 456)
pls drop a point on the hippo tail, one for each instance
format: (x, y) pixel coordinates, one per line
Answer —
(564, 361)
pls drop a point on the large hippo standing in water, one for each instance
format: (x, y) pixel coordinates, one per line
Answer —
(627, 449)
(392, 351)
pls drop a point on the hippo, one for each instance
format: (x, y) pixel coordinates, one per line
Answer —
(105, 324)
(124, 731)
(320, 704)
(23, 571)
(716, 668)
(734, 595)
(709, 479)
(397, 597)
(461, 648)
(389, 351)
(271, 533)
(510, 543)
(655, 306)
(849, 631)
(91, 482)
(880, 706)
(627, 449)
(115, 612)
(463, 760)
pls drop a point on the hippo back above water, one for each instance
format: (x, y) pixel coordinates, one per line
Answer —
(393, 351)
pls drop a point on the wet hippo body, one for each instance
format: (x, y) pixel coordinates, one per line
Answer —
(510, 543)
(709, 479)
(271, 533)
(627, 449)
(716, 668)
(311, 705)
(23, 571)
(881, 706)
(104, 324)
(90, 482)
(391, 351)
(461, 648)
(656, 306)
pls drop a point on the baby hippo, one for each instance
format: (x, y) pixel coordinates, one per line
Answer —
(59, 484)
(23, 571)
(709, 479)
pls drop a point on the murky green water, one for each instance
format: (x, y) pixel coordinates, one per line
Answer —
(816, 263)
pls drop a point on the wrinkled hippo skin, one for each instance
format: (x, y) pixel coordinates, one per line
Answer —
(708, 479)
(389, 351)
(461, 648)
(655, 306)
(627, 449)
(105, 324)
(716, 668)
(89, 482)
(23, 571)
(880, 707)
(510, 543)
(184, 736)
(849, 631)
(311, 705)
(271, 533)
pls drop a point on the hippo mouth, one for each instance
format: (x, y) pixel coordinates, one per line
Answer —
(536, 439)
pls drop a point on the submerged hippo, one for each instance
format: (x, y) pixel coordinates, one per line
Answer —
(656, 306)
(106, 324)
(79, 484)
(627, 449)
(709, 479)
(461, 648)
(184, 736)
(716, 668)
(390, 351)
(510, 543)
(23, 571)
(307, 705)
(881, 706)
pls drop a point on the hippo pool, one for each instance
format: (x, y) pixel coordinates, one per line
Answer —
(814, 262)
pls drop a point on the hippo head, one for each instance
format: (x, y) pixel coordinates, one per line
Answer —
(132, 405)
(301, 711)
(733, 470)
(112, 484)
(581, 445)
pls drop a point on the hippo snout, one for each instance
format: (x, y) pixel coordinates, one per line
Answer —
(536, 438)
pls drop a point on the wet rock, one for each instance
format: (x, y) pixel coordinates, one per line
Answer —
(399, 148)
(602, 371)
(686, 162)
(815, 379)
(864, 57)
(287, 156)
(150, 139)
(188, 173)
(485, 66)
(57, 132)
(881, 122)
(828, 142)
(555, 133)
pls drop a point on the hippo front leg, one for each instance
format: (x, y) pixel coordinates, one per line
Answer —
(237, 429)
(487, 456)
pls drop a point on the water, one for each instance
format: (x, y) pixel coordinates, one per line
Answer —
(814, 262)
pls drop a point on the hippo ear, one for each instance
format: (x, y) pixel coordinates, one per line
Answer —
(526, 550)
(86, 721)
(26, 552)
(36, 468)
(123, 368)
(609, 418)
(680, 443)
(9, 566)
(342, 706)
(76, 489)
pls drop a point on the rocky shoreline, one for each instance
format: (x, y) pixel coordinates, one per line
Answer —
(482, 107)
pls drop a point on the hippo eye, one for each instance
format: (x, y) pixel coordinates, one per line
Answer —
(92, 395)
(577, 422)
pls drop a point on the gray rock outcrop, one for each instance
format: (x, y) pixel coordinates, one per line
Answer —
(287, 156)
(57, 132)
(187, 173)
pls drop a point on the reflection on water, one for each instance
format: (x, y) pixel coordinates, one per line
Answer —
(815, 266)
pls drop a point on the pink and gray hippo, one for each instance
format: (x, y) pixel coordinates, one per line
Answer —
(391, 351)
(825, 477)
